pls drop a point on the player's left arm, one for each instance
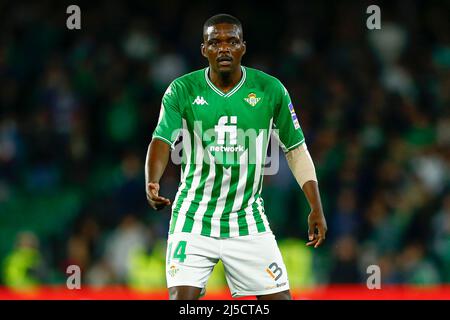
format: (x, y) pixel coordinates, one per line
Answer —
(290, 135)
(302, 167)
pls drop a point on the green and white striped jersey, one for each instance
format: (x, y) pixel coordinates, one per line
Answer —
(224, 141)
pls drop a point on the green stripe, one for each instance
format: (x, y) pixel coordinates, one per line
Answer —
(263, 211)
(243, 226)
(261, 178)
(257, 216)
(173, 221)
(251, 169)
(183, 193)
(206, 221)
(189, 222)
(225, 217)
(242, 221)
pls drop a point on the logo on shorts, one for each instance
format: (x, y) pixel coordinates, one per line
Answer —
(278, 285)
(173, 271)
(274, 271)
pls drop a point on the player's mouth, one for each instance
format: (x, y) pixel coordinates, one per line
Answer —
(225, 61)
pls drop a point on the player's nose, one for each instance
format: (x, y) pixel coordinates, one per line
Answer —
(224, 48)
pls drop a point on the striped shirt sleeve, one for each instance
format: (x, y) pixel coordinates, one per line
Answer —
(169, 121)
(287, 128)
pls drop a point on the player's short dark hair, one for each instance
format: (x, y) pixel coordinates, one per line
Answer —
(222, 18)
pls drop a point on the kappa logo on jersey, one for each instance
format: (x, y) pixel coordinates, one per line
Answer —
(199, 101)
(252, 99)
(294, 116)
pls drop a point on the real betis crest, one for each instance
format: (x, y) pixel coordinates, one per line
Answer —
(252, 99)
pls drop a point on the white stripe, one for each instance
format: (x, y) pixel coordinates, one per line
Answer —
(239, 197)
(187, 154)
(277, 137)
(220, 205)
(258, 166)
(258, 171)
(265, 153)
(164, 139)
(270, 131)
(295, 145)
(198, 153)
(240, 190)
(251, 222)
(263, 215)
(198, 145)
(258, 162)
(234, 225)
(203, 205)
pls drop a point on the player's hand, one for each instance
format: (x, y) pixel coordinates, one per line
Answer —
(316, 222)
(154, 199)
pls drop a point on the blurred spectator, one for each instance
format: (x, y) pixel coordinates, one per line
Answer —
(345, 265)
(10, 149)
(77, 254)
(129, 235)
(139, 44)
(167, 66)
(415, 267)
(24, 267)
(100, 274)
(129, 192)
(441, 237)
(390, 274)
(432, 170)
(345, 220)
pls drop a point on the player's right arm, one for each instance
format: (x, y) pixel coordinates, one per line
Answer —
(157, 157)
(164, 137)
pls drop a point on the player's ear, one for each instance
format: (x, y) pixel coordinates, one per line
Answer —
(244, 44)
(203, 50)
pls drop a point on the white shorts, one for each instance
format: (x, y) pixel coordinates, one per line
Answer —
(253, 263)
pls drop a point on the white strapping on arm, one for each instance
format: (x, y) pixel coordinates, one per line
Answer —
(301, 164)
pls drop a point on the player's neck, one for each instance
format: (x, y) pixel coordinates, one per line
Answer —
(225, 81)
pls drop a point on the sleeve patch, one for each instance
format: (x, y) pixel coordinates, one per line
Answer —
(294, 116)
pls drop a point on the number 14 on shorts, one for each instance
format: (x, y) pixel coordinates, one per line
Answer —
(179, 253)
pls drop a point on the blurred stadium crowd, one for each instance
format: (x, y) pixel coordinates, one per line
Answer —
(77, 110)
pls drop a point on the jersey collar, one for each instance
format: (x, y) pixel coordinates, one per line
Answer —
(232, 91)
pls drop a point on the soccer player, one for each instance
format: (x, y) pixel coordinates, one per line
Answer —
(225, 114)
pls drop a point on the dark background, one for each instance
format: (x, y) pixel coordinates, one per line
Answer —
(78, 107)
